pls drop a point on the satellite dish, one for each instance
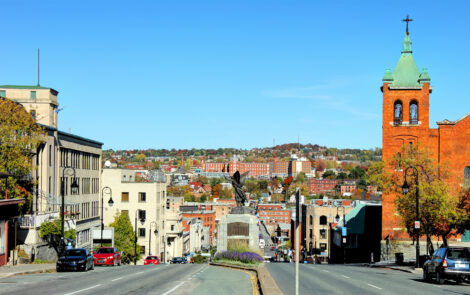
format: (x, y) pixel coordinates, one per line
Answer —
(107, 164)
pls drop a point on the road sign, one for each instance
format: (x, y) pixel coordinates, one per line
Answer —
(344, 231)
(417, 224)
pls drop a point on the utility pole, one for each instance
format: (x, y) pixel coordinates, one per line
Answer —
(297, 239)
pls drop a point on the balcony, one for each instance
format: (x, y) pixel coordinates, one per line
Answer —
(35, 221)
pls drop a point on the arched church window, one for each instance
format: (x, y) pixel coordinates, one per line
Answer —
(323, 220)
(466, 177)
(414, 112)
(397, 112)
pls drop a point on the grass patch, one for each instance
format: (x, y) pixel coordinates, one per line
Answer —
(238, 263)
(39, 261)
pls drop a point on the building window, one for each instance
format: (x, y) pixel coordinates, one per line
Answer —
(3, 93)
(142, 232)
(323, 220)
(311, 219)
(323, 246)
(414, 112)
(323, 234)
(142, 215)
(142, 197)
(33, 95)
(397, 113)
(172, 227)
(466, 177)
(311, 233)
(124, 197)
(50, 156)
(142, 249)
(125, 212)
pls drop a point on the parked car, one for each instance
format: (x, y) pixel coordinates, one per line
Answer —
(75, 259)
(178, 260)
(448, 263)
(152, 260)
(107, 256)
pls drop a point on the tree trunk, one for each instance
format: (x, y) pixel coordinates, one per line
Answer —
(430, 247)
(444, 241)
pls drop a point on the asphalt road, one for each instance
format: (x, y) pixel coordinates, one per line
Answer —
(340, 279)
(140, 279)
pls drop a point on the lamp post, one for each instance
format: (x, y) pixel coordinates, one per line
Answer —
(142, 220)
(343, 234)
(74, 189)
(108, 190)
(150, 235)
(406, 189)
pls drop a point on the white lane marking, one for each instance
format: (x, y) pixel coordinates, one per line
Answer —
(345, 277)
(325, 270)
(374, 286)
(138, 273)
(173, 289)
(83, 290)
(116, 279)
(436, 286)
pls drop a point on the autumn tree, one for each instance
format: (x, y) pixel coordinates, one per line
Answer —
(438, 203)
(20, 136)
(124, 237)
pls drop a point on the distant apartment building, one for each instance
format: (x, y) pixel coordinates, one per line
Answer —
(322, 186)
(274, 216)
(208, 219)
(270, 207)
(143, 202)
(220, 209)
(347, 189)
(298, 166)
(174, 202)
(253, 169)
(280, 168)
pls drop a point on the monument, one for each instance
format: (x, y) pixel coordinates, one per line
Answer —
(241, 224)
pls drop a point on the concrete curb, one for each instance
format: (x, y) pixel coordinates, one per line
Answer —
(266, 284)
(403, 269)
(27, 272)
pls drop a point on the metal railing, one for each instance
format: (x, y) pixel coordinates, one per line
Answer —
(35, 221)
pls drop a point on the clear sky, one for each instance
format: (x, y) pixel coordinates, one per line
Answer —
(210, 74)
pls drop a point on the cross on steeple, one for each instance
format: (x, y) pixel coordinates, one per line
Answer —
(407, 20)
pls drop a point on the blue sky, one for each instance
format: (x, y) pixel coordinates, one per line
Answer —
(210, 74)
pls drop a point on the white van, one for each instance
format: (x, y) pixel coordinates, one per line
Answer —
(261, 243)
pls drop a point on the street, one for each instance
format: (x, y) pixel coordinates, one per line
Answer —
(340, 279)
(149, 279)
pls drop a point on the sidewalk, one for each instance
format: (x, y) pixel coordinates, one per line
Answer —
(394, 266)
(22, 269)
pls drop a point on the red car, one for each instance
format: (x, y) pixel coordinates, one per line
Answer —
(107, 256)
(152, 260)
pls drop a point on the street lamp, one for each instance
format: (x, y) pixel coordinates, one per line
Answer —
(108, 190)
(150, 235)
(406, 189)
(74, 190)
(142, 220)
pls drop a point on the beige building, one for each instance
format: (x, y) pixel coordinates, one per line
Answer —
(41, 102)
(59, 160)
(142, 201)
(318, 217)
(173, 237)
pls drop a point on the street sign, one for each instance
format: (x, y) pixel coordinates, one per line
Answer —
(344, 231)
(417, 224)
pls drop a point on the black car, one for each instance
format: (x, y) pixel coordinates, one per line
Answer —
(178, 260)
(75, 259)
(448, 263)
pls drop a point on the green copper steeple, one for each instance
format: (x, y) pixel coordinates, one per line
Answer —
(406, 72)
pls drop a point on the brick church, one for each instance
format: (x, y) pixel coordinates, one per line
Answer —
(406, 93)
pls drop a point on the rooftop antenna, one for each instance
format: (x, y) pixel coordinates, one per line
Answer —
(38, 66)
